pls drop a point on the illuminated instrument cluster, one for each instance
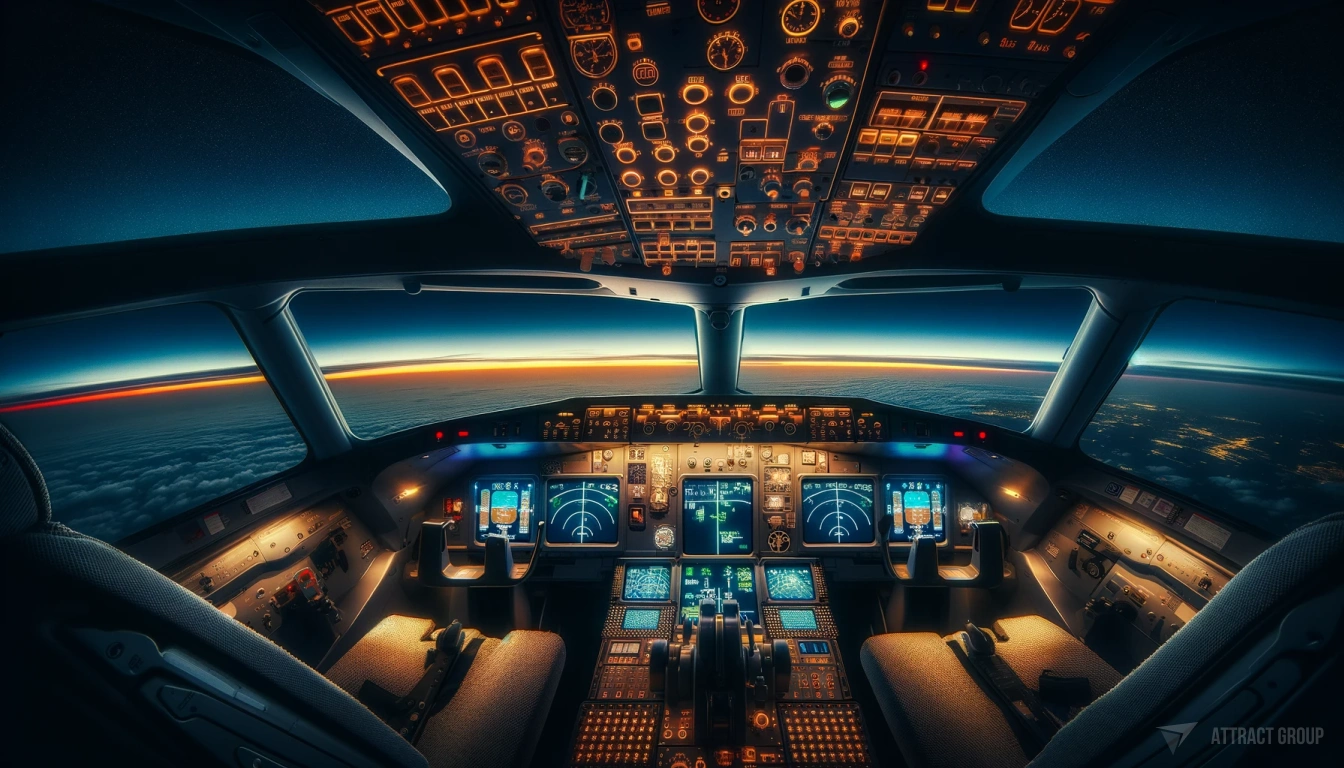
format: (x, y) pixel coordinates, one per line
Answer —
(719, 134)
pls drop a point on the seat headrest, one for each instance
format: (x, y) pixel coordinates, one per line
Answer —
(24, 502)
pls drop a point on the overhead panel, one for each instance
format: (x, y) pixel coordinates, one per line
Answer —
(719, 134)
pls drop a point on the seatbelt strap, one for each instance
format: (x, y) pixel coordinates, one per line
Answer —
(407, 714)
(1013, 695)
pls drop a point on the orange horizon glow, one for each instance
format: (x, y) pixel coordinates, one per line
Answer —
(461, 366)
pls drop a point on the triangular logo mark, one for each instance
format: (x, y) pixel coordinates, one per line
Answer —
(1176, 734)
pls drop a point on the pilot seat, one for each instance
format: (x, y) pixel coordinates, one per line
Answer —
(120, 661)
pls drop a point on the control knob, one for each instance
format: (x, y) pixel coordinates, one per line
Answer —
(837, 92)
(823, 131)
(492, 164)
(850, 25)
(514, 194)
(803, 188)
(745, 224)
(771, 185)
(796, 226)
(604, 98)
(534, 156)
(554, 189)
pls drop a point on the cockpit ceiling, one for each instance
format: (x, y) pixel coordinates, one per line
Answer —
(1227, 137)
(130, 129)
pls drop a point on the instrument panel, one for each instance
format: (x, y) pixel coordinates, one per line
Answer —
(717, 134)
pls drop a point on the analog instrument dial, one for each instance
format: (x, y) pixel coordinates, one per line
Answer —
(594, 55)
(725, 51)
(585, 14)
(800, 17)
(717, 11)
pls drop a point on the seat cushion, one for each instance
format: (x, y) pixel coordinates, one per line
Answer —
(942, 716)
(936, 710)
(1035, 644)
(496, 714)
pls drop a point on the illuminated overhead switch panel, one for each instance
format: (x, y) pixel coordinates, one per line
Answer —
(486, 80)
(913, 151)
(1041, 30)
(385, 27)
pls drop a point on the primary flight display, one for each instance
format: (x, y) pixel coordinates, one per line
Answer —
(917, 506)
(504, 506)
(718, 582)
(716, 515)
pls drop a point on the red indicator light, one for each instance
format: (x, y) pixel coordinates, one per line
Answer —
(461, 433)
(438, 435)
(958, 433)
(923, 65)
(983, 435)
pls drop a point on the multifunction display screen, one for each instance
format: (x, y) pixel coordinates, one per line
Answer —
(789, 582)
(504, 505)
(647, 583)
(716, 516)
(838, 510)
(917, 506)
(582, 510)
(797, 618)
(641, 618)
(718, 582)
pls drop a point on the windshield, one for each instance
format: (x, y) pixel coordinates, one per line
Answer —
(395, 361)
(1239, 408)
(137, 417)
(987, 355)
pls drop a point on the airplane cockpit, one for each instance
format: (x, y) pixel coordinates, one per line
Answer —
(672, 383)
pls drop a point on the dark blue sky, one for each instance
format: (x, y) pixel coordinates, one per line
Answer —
(122, 130)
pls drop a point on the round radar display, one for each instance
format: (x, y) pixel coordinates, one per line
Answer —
(838, 510)
(582, 510)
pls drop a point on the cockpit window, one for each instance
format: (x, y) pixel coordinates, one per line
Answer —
(986, 355)
(395, 361)
(134, 418)
(1236, 407)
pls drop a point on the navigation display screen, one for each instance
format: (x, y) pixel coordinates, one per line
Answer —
(838, 510)
(789, 582)
(641, 618)
(716, 516)
(504, 506)
(917, 506)
(647, 583)
(718, 582)
(582, 510)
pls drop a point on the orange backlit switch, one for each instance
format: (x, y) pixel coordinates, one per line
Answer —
(867, 141)
(411, 90)
(538, 63)
(859, 190)
(647, 104)
(941, 194)
(379, 19)
(408, 14)
(880, 192)
(435, 118)
(886, 143)
(938, 5)
(355, 31)
(1058, 15)
(453, 83)
(492, 69)
(919, 194)
(964, 6)
(1026, 14)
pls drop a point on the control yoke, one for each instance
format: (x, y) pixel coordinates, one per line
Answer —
(499, 569)
(921, 568)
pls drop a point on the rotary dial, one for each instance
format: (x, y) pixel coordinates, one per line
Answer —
(725, 51)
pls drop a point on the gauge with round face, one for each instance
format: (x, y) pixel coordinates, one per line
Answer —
(800, 17)
(725, 51)
(664, 537)
(593, 55)
(717, 11)
(581, 14)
